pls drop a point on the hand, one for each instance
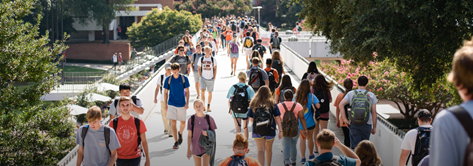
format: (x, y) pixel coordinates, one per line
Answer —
(204, 133)
(189, 154)
(338, 123)
(373, 131)
(186, 107)
(155, 100)
(165, 106)
(280, 135)
(231, 112)
(304, 132)
(337, 142)
(147, 163)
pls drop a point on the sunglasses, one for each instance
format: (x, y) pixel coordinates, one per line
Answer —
(181, 50)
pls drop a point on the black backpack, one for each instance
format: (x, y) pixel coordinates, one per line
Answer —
(256, 78)
(422, 146)
(234, 27)
(278, 66)
(324, 100)
(333, 162)
(192, 123)
(465, 120)
(271, 79)
(263, 120)
(106, 133)
(238, 161)
(260, 48)
(282, 91)
(240, 102)
(133, 98)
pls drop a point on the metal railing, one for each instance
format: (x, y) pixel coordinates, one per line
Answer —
(81, 77)
(164, 46)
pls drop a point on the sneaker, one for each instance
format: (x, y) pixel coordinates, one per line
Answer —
(176, 145)
(303, 161)
(311, 157)
(231, 73)
(198, 97)
(165, 132)
(293, 164)
(287, 165)
(209, 110)
(170, 135)
(179, 140)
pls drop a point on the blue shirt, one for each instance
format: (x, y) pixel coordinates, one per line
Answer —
(309, 114)
(276, 114)
(176, 90)
(345, 161)
(250, 92)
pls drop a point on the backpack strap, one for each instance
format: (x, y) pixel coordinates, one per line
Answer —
(116, 104)
(284, 105)
(161, 87)
(107, 138)
(84, 133)
(192, 125)
(464, 118)
(115, 123)
(137, 125)
(293, 106)
(207, 117)
(183, 81)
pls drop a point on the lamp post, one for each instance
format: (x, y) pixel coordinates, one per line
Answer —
(259, 16)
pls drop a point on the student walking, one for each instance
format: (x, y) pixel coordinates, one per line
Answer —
(275, 42)
(223, 32)
(115, 61)
(452, 128)
(131, 133)
(260, 48)
(286, 85)
(200, 125)
(207, 72)
(257, 76)
(278, 64)
(195, 68)
(176, 92)
(239, 97)
(348, 84)
(367, 153)
(363, 105)
(264, 114)
(183, 60)
(248, 43)
(93, 151)
(310, 103)
(416, 143)
(159, 90)
(273, 75)
(120, 60)
(240, 148)
(137, 106)
(292, 115)
(311, 73)
(233, 53)
(321, 89)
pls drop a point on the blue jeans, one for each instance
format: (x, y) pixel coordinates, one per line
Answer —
(358, 133)
(290, 148)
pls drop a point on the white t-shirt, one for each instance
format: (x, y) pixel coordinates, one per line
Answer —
(113, 110)
(114, 59)
(161, 91)
(409, 141)
(214, 46)
(373, 100)
(207, 69)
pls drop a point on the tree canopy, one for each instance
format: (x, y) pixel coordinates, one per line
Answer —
(158, 26)
(31, 133)
(420, 36)
(214, 8)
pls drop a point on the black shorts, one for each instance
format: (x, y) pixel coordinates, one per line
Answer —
(200, 155)
(127, 162)
(311, 128)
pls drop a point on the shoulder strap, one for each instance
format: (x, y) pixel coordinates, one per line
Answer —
(169, 81)
(293, 106)
(284, 105)
(183, 81)
(464, 118)
(84, 133)
(137, 125)
(192, 125)
(115, 123)
(116, 103)
(107, 137)
(208, 121)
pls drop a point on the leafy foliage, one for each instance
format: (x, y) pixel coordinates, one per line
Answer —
(30, 133)
(158, 26)
(214, 8)
(420, 36)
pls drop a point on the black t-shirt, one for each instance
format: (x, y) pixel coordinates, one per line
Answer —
(260, 48)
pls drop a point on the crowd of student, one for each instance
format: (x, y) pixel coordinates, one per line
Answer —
(267, 98)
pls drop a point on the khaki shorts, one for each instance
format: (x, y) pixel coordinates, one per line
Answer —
(177, 113)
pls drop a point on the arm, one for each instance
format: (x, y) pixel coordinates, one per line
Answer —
(215, 72)
(346, 151)
(187, 97)
(192, 63)
(137, 109)
(156, 92)
(189, 142)
(80, 155)
(112, 117)
(303, 122)
(403, 158)
(277, 98)
(200, 71)
(166, 91)
(278, 123)
(374, 117)
(113, 158)
(144, 142)
(283, 71)
(338, 117)
(341, 106)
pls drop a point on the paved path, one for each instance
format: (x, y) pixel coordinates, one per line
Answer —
(160, 145)
(94, 66)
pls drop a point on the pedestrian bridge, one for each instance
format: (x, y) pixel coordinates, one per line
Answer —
(387, 138)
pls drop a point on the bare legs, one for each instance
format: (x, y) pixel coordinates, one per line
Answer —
(198, 161)
(310, 142)
(265, 150)
(243, 123)
(234, 64)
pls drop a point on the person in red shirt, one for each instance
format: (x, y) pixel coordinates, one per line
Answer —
(240, 148)
(126, 127)
(272, 83)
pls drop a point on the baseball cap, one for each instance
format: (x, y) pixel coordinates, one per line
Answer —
(424, 113)
(167, 66)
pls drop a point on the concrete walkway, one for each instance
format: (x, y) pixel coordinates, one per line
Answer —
(94, 66)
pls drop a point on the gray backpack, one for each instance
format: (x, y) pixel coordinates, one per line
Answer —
(360, 108)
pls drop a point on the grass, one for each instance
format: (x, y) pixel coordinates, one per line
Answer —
(21, 87)
(318, 62)
(80, 69)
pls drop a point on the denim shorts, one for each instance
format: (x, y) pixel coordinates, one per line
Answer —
(267, 138)
(234, 55)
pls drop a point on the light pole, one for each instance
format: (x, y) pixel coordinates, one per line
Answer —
(259, 16)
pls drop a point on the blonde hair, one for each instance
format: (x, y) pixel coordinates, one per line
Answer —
(242, 76)
(94, 113)
(326, 139)
(241, 142)
(366, 151)
(124, 98)
(207, 48)
(462, 71)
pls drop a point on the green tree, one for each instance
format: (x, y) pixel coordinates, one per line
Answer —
(102, 11)
(214, 8)
(158, 26)
(30, 132)
(420, 36)
(281, 13)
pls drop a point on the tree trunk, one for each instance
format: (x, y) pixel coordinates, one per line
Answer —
(106, 32)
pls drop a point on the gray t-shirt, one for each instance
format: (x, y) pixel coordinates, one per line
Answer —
(115, 111)
(448, 138)
(183, 62)
(95, 150)
(196, 60)
(373, 100)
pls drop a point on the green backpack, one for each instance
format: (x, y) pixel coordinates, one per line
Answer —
(360, 108)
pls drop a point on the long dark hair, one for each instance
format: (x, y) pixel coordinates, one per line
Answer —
(285, 82)
(263, 98)
(312, 68)
(367, 153)
(302, 92)
(321, 84)
(348, 84)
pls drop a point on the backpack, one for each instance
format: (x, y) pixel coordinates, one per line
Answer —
(271, 79)
(192, 123)
(248, 43)
(290, 125)
(253, 34)
(315, 162)
(106, 133)
(242, 25)
(202, 62)
(234, 47)
(162, 81)
(133, 98)
(282, 91)
(324, 100)
(260, 48)
(238, 161)
(262, 123)
(299, 28)
(256, 78)
(194, 55)
(275, 42)
(311, 76)
(240, 102)
(278, 66)
(465, 119)
(422, 146)
(234, 27)
(137, 125)
(360, 108)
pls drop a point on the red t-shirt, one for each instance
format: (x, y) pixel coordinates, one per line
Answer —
(126, 133)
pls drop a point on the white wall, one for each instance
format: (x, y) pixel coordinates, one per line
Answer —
(319, 49)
